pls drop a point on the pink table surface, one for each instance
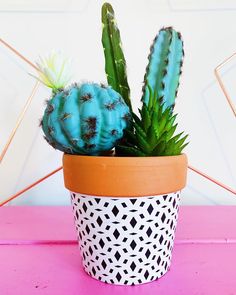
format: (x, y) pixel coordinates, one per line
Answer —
(39, 255)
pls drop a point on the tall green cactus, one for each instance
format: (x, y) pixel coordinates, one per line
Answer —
(164, 68)
(115, 64)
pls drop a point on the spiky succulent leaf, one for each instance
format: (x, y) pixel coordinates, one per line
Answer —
(146, 118)
(130, 136)
(182, 147)
(136, 119)
(180, 142)
(159, 149)
(143, 144)
(171, 132)
(115, 64)
(164, 67)
(151, 136)
(139, 130)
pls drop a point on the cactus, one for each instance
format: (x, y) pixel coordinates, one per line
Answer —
(164, 68)
(115, 64)
(85, 119)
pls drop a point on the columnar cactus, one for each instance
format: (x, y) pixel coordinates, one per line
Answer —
(115, 64)
(85, 119)
(164, 67)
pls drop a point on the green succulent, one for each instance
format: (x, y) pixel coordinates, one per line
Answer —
(153, 133)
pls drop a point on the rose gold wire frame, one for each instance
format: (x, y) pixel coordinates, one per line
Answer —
(19, 120)
(18, 123)
(27, 104)
(12, 197)
(220, 81)
(212, 180)
(12, 49)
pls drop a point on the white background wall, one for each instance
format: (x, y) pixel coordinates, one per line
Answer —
(36, 27)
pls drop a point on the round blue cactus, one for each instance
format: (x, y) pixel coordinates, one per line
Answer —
(85, 119)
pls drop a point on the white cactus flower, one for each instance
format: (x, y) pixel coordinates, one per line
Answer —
(54, 70)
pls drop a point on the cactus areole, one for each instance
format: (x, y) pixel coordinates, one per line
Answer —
(85, 119)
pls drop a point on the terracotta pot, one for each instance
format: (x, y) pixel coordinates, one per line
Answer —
(125, 211)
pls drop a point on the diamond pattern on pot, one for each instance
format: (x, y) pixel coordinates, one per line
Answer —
(126, 241)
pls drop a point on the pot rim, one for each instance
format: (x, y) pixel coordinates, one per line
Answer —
(124, 176)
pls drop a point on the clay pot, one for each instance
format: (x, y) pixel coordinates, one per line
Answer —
(125, 211)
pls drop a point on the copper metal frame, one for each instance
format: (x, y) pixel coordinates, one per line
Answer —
(14, 196)
(27, 104)
(220, 81)
(229, 189)
(22, 114)
(18, 122)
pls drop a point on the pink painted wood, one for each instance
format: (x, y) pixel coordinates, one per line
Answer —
(39, 255)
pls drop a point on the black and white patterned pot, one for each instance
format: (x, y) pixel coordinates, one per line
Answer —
(126, 241)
